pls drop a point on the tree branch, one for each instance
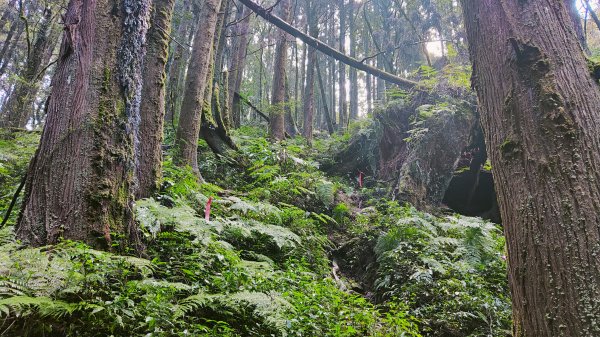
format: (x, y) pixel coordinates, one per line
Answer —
(327, 50)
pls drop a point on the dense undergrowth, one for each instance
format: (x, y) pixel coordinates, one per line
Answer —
(261, 265)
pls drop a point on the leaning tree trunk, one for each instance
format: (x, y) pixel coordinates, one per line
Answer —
(79, 184)
(540, 111)
(277, 115)
(188, 130)
(152, 108)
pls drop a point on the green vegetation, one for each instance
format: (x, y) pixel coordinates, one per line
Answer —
(262, 264)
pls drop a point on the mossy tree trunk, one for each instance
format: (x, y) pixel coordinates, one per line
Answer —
(152, 108)
(79, 184)
(188, 130)
(540, 110)
(277, 113)
(213, 127)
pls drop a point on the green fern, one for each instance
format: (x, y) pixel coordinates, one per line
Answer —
(268, 310)
(42, 306)
(325, 191)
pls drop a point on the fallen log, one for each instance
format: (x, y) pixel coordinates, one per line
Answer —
(327, 50)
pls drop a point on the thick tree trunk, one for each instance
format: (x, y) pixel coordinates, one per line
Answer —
(540, 111)
(186, 139)
(152, 107)
(277, 113)
(79, 184)
(19, 106)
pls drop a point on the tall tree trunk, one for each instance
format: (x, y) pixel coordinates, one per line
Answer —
(277, 113)
(332, 78)
(79, 184)
(291, 127)
(11, 41)
(152, 107)
(19, 106)
(186, 138)
(343, 106)
(309, 91)
(213, 128)
(353, 73)
(236, 66)
(303, 58)
(221, 38)
(178, 62)
(326, 113)
(540, 110)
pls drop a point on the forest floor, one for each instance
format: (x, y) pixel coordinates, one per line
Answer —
(285, 251)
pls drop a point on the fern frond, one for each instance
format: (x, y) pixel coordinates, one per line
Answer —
(27, 305)
(325, 191)
(13, 287)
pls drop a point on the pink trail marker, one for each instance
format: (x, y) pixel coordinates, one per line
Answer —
(207, 209)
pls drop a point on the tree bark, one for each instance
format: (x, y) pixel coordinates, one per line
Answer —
(186, 138)
(277, 113)
(79, 184)
(152, 107)
(540, 111)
